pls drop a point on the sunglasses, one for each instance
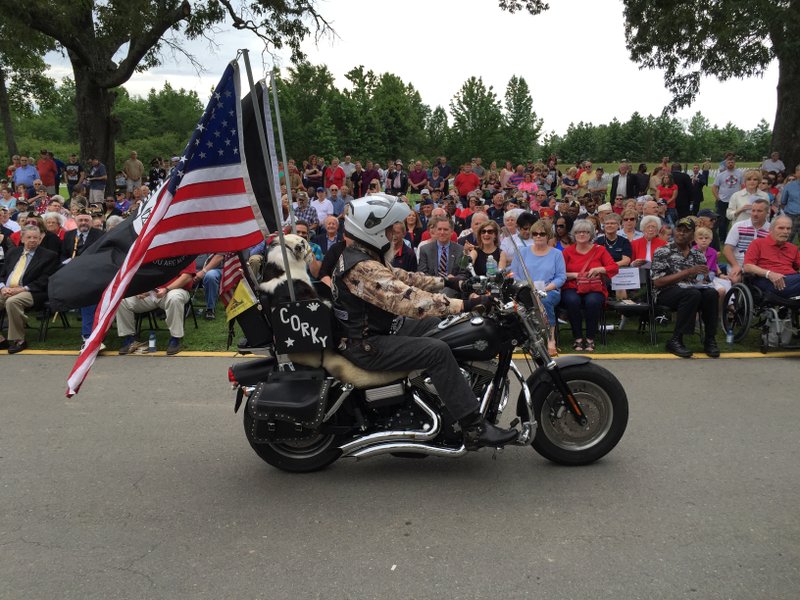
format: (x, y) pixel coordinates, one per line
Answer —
(561, 226)
(538, 234)
(488, 232)
(629, 219)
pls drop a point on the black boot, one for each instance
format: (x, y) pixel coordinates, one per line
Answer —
(710, 347)
(478, 432)
(676, 347)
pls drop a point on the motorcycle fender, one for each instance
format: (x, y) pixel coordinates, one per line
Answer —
(540, 375)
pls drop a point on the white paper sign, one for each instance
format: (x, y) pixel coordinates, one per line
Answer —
(626, 279)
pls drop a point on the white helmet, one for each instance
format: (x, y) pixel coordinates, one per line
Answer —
(367, 218)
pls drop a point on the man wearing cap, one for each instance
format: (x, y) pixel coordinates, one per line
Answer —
(742, 234)
(775, 261)
(396, 180)
(417, 179)
(729, 181)
(304, 212)
(680, 277)
(623, 184)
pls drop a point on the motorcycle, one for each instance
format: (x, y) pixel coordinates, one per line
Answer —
(305, 411)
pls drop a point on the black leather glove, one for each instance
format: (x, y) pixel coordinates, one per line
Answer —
(454, 282)
(471, 304)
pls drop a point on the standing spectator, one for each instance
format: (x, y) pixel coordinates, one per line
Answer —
(623, 182)
(445, 171)
(39, 199)
(465, 182)
(790, 201)
(680, 277)
(642, 180)
(13, 166)
(728, 181)
(134, 172)
(668, 192)
(773, 163)
(683, 200)
(348, 167)
(698, 182)
(370, 173)
(48, 171)
(25, 174)
(741, 202)
(334, 175)
(396, 180)
(157, 174)
(585, 259)
(417, 179)
(74, 244)
(97, 181)
(312, 175)
(322, 205)
(516, 178)
(598, 185)
(74, 174)
(356, 178)
(584, 177)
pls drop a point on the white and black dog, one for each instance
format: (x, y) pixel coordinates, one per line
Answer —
(300, 255)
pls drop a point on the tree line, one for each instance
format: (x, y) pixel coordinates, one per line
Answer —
(382, 117)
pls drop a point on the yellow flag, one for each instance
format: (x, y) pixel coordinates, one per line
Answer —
(243, 298)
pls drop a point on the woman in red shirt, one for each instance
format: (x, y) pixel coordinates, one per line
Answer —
(585, 258)
(668, 192)
(642, 249)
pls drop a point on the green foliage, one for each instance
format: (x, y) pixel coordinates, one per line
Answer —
(477, 122)
(521, 127)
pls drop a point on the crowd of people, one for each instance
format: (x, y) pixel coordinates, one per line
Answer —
(570, 229)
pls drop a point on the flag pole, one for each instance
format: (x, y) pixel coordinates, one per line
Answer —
(263, 139)
(274, 85)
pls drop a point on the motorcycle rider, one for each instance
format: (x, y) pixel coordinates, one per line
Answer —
(368, 293)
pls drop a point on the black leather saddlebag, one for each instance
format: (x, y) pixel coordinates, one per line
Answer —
(289, 405)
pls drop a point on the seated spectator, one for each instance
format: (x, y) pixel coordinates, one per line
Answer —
(708, 218)
(7, 200)
(23, 284)
(563, 237)
(469, 237)
(642, 249)
(665, 233)
(49, 241)
(39, 198)
(403, 257)
(331, 235)
(775, 261)
(302, 229)
(7, 222)
(488, 245)
(54, 223)
(442, 255)
(413, 229)
(543, 264)
(510, 222)
(171, 298)
(702, 241)
(742, 234)
(668, 192)
(211, 275)
(617, 246)
(680, 278)
(437, 213)
(585, 259)
(303, 211)
(569, 183)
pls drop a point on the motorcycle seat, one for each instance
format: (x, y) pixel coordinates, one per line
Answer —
(345, 371)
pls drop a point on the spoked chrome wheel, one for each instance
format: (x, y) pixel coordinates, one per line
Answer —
(564, 431)
(737, 311)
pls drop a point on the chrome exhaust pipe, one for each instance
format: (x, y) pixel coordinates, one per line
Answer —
(391, 447)
(422, 435)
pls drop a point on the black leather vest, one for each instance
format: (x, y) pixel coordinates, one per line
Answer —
(356, 318)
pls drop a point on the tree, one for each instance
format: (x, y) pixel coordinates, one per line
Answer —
(723, 38)
(477, 121)
(135, 32)
(521, 127)
(438, 131)
(22, 79)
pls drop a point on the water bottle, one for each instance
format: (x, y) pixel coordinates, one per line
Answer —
(729, 335)
(491, 266)
(151, 342)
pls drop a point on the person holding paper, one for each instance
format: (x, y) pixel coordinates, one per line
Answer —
(544, 264)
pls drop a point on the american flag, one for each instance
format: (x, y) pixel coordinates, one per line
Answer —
(231, 275)
(206, 205)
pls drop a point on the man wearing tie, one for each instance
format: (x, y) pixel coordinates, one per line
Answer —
(74, 244)
(441, 256)
(23, 283)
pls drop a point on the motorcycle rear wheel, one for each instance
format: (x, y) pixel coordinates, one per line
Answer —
(601, 396)
(299, 456)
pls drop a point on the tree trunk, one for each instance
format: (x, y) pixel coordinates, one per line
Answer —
(97, 128)
(786, 131)
(5, 116)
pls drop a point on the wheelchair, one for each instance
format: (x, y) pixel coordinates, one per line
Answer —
(746, 306)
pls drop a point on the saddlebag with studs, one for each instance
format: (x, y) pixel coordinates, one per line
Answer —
(290, 405)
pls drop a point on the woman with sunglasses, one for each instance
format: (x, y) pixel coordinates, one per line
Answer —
(562, 239)
(585, 259)
(629, 231)
(488, 245)
(545, 266)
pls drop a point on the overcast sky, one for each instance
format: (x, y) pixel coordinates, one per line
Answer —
(572, 56)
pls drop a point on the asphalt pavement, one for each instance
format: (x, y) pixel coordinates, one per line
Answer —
(143, 486)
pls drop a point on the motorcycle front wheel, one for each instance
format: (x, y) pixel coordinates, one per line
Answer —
(560, 438)
(297, 456)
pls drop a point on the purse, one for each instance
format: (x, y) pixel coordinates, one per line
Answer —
(588, 284)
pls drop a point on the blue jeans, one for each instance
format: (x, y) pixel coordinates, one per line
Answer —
(550, 302)
(579, 306)
(87, 320)
(792, 285)
(211, 287)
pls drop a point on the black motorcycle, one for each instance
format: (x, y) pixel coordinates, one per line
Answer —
(304, 411)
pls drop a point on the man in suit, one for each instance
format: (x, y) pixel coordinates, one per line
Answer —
(699, 181)
(23, 283)
(75, 242)
(441, 256)
(623, 182)
(683, 202)
(330, 236)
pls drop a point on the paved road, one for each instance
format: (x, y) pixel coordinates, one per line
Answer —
(143, 486)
